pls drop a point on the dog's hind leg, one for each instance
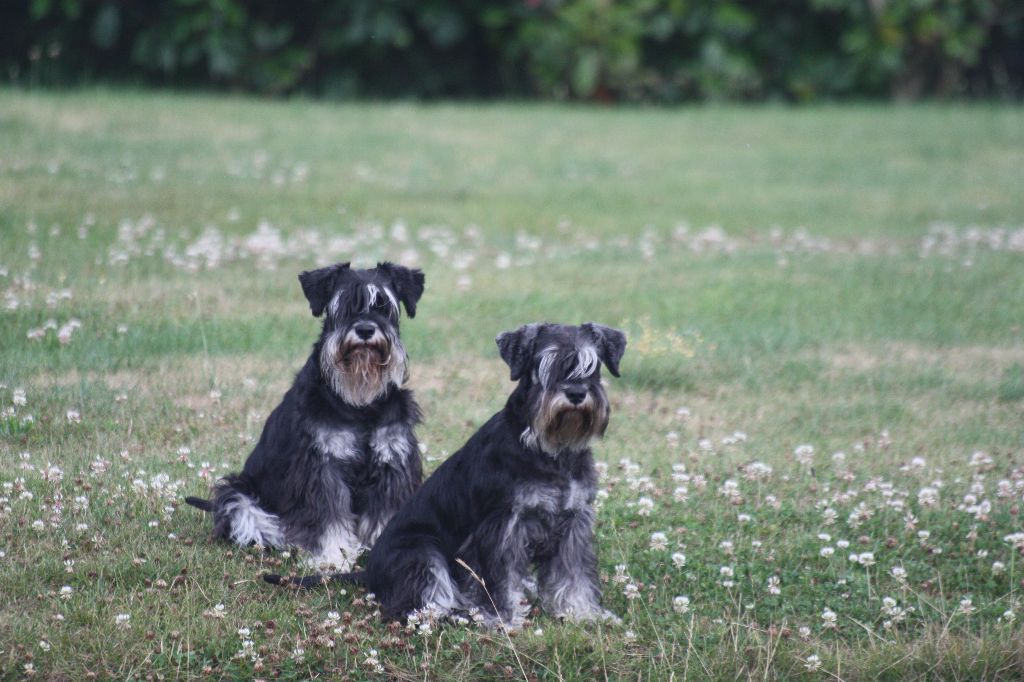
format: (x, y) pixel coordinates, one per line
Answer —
(238, 517)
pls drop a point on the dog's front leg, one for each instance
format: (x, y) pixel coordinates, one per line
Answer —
(498, 553)
(567, 577)
(396, 474)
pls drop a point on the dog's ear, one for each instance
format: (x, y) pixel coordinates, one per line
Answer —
(611, 344)
(516, 348)
(407, 283)
(319, 285)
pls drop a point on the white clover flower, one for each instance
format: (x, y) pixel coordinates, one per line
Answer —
(44, 645)
(866, 559)
(18, 397)
(123, 620)
(1015, 539)
(812, 663)
(681, 494)
(824, 537)
(966, 607)
(804, 455)
(757, 471)
(725, 571)
(826, 552)
(979, 459)
(644, 506)
(804, 632)
(899, 573)
(659, 541)
(1008, 616)
(928, 497)
(773, 585)
(372, 661)
(66, 592)
(631, 590)
(842, 544)
(829, 619)
(998, 567)
(74, 416)
(679, 559)
(681, 604)
(744, 518)
(731, 489)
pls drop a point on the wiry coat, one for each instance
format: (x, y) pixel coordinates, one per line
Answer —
(338, 456)
(510, 501)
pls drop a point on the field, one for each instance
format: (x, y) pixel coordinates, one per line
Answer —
(815, 464)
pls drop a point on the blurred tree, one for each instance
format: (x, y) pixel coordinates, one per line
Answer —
(654, 50)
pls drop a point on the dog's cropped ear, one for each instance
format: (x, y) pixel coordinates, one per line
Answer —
(407, 283)
(611, 344)
(516, 348)
(319, 285)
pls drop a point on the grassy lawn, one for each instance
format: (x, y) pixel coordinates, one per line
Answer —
(817, 440)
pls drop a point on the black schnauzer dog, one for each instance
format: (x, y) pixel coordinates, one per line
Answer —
(337, 457)
(518, 495)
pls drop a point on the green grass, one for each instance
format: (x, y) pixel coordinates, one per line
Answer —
(862, 295)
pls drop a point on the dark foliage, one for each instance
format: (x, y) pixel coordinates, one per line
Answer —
(648, 50)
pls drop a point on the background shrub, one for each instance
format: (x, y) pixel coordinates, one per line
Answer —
(639, 50)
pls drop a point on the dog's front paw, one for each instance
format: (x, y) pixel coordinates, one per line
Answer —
(591, 615)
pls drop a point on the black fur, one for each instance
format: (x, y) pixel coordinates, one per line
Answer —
(337, 457)
(507, 502)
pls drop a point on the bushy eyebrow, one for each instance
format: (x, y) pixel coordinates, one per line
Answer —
(587, 363)
(373, 295)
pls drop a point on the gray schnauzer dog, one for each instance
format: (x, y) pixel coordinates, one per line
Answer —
(337, 457)
(515, 504)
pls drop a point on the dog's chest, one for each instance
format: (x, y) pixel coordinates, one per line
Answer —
(568, 496)
(386, 444)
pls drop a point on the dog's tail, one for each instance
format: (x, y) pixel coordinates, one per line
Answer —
(308, 581)
(200, 503)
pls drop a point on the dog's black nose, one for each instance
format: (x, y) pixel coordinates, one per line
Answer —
(575, 395)
(365, 331)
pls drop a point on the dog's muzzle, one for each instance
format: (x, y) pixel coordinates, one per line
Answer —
(364, 344)
(361, 362)
(569, 418)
